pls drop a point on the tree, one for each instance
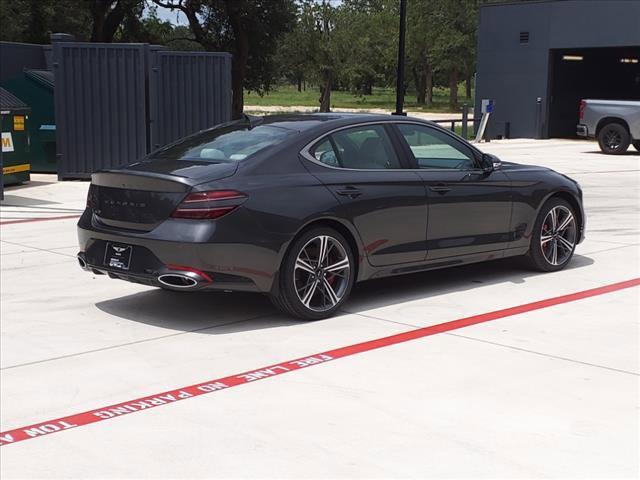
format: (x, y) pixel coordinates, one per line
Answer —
(108, 15)
(454, 41)
(248, 29)
(323, 34)
(32, 21)
(420, 48)
(370, 31)
(151, 29)
(292, 56)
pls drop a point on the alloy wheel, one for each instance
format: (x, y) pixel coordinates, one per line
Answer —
(612, 139)
(321, 273)
(558, 237)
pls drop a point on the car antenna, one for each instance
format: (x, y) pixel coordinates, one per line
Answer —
(253, 120)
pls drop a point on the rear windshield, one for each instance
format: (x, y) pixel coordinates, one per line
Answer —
(226, 144)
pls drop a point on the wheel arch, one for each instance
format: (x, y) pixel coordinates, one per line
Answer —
(349, 235)
(341, 227)
(571, 199)
(607, 120)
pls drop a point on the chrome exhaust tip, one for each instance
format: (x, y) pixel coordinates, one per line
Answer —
(82, 262)
(177, 280)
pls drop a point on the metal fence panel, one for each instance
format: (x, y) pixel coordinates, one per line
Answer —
(17, 57)
(100, 106)
(188, 92)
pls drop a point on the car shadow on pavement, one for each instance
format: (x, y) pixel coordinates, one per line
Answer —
(435, 283)
(201, 312)
(629, 153)
(224, 313)
(18, 201)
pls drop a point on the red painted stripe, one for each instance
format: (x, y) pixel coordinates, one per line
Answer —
(171, 396)
(42, 219)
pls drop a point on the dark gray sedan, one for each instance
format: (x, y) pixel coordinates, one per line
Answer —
(301, 207)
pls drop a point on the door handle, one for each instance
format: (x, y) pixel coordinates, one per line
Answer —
(440, 188)
(350, 192)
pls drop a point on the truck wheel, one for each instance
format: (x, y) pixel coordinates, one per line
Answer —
(614, 139)
(636, 145)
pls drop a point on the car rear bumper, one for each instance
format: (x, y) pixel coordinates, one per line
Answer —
(582, 130)
(175, 250)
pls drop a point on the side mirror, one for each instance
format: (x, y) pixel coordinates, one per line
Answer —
(490, 162)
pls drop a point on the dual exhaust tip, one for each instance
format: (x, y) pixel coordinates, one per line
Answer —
(179, 280)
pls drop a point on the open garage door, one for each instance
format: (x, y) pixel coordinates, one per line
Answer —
(603, 73)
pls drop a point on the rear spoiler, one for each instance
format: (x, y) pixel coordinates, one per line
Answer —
(152, 182)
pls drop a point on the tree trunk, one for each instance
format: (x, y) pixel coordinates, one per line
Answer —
(453, 90)
(36, 31)
(238, 71)
(420, 80)
(299, 83)
(238, 67)
(429, 87)
(325, 92)
(106, 21)
(468, 87)
(368, 87)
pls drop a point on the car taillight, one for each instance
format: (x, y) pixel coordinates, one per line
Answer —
(583, 104)
(209, 205)
(91, 201)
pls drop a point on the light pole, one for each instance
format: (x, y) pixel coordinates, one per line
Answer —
(400, 73)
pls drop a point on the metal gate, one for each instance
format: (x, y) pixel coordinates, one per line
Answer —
(188, 92)
(100, 104)
(116, 102)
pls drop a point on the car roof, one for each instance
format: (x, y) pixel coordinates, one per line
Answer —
(306, 121)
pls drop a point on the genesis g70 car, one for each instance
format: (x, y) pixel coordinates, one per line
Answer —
(301, 207)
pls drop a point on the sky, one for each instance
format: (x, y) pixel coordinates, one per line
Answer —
(176, 17)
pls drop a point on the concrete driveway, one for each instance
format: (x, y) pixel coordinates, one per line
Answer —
(548, 389)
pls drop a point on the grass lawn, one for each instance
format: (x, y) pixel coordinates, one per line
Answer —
(288, 95)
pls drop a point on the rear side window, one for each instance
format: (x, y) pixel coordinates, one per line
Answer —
(367, 147)
(226, 144)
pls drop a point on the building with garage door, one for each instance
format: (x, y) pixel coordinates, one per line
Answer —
(538, 59)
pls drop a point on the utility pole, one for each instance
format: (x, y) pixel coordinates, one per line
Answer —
(400, 73)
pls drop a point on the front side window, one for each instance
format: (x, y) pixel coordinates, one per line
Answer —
(434, 149)
(367, 147)
(232, 143)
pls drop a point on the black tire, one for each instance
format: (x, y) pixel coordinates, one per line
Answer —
(614, 139)
(537, 258)
(636, 145)
(290, 276)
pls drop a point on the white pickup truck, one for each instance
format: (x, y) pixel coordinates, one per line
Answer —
(615, 123)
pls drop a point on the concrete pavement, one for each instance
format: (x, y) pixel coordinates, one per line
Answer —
(548, 393)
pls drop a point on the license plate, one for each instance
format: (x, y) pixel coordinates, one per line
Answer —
(118, 256)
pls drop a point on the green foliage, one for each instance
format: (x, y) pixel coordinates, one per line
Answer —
(32, 21)
(248, 29)
(151, 29)
(349, 46)
(352, 45)
(380, 98)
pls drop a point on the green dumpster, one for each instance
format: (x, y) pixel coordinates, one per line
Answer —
(36, 89)
(16, 163)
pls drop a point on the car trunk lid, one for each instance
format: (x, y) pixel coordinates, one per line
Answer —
(144, 194)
